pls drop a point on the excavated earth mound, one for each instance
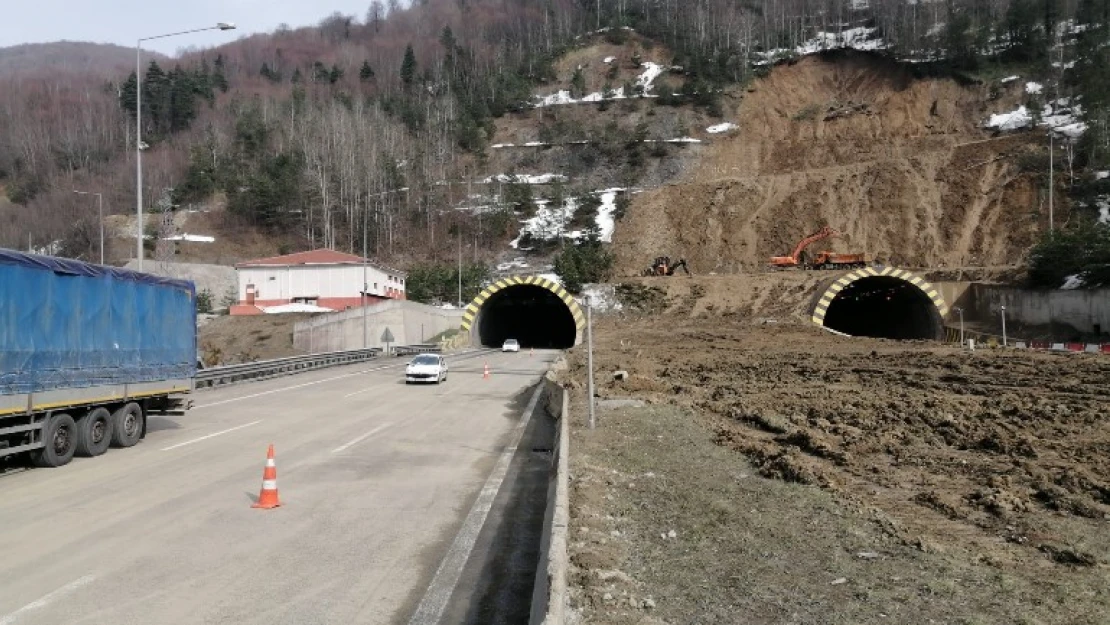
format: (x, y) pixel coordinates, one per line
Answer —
(898, 164)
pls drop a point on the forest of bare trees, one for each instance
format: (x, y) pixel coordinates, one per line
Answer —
(345, 133)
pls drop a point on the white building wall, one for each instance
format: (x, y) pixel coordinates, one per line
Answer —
(287, 283)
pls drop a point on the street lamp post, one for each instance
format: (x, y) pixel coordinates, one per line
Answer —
(139, 127)
(100, 215)
(960, 311)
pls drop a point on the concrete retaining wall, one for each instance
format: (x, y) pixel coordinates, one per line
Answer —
(220, 280)
(1088, 311)
(549, 596)
(408, 322)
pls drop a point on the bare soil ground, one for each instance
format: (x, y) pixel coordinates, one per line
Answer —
(900, 165)
(811, 478)
(226, 340)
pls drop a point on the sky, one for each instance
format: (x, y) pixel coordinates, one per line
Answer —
(42, 21)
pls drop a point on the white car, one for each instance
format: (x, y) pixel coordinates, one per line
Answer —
(510, 345)
(426, 368)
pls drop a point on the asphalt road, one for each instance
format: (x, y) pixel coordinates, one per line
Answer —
(381, 485)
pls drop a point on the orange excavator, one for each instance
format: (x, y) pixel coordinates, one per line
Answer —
(823, 260)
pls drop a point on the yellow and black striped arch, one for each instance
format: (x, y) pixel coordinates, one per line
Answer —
(471, 312)
(841, 283)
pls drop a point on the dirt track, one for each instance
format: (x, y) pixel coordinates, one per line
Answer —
(994, 458)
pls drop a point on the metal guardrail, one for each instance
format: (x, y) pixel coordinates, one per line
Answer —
(264, 369)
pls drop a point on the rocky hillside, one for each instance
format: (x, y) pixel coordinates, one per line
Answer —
(901, 165)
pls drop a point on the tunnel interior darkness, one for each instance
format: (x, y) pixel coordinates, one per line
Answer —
(531, 314)
(884, 307)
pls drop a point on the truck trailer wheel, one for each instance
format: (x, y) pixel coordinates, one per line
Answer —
(94, 432)
(127, 425)
(59, 433)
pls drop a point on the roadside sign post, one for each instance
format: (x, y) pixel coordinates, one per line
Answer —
(387, 338)
(1003, 326)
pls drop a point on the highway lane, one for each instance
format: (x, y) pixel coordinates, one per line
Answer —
(375, 477)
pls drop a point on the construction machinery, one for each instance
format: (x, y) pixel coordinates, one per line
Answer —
(823, 260)
(663, 267)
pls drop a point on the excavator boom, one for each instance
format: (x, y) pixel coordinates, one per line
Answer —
(823, 233)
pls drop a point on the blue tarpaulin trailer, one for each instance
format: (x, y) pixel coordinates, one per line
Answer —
(86, 352)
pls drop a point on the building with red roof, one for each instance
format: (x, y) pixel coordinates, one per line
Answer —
(317, 280)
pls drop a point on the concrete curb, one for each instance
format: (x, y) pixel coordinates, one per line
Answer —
(549, 596)
(557, 556)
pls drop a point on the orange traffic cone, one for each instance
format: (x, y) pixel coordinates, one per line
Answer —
(268, 498)
(485, 372)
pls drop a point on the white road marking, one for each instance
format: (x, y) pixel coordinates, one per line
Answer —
(47, 599)
(361, 438)
(214, 434)
(439, 592)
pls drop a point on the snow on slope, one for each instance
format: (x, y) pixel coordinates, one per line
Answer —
(646, 80)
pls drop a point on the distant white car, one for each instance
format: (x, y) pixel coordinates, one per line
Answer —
(426, 368)
(510, 345)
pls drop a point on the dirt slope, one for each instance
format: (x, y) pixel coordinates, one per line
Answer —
(898, 164)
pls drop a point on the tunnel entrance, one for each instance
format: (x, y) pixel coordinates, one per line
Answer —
(532, 314)
(884, 307)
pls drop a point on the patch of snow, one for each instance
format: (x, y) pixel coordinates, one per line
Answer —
(561, 96)
(497, 146)
(1033, 88)
(682, 140)
(1071, 282)
(1103, 204)
(1011, 121)
(609, 59)
(1068, 65)
(553, 277)
(526, 178)
(195, 238)
(860, 38)
(50, 249)
(1102, 175)
(606, 223)
(1063, 118)
(294, 308)
(725, 127)
(547, 223)
(645, 80)
(447, 306)
(1009, 79)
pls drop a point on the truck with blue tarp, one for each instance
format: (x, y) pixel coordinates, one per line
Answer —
(87, 352)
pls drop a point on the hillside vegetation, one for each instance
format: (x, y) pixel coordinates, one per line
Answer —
(371, 131)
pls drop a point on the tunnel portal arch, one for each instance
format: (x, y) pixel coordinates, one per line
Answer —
(548, 316)
(903, 305)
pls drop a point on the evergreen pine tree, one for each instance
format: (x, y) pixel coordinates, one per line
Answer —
(365, 73)
(127, 92)
(219, 80)
(408, 66)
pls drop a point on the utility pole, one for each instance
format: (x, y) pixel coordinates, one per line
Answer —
(139, 127)
(365, 280)
(458, 237)
(1051, 176)
(590, 358)
(961, 313)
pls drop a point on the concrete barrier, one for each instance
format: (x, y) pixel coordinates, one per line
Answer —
(549, 596)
